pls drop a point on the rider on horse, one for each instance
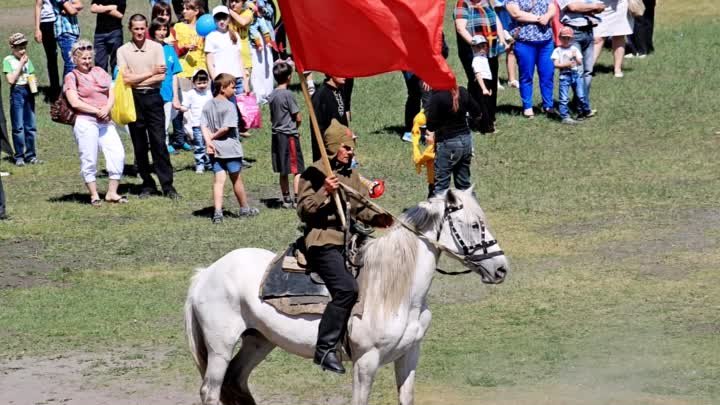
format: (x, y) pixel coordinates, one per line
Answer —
(325, 236)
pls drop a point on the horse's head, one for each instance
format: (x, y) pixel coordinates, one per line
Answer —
(464, 234)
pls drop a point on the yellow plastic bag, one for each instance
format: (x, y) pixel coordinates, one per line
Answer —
(123, 111)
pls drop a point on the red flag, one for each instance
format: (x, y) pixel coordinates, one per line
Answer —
(356, 38)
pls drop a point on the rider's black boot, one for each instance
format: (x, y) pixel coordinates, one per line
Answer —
(332, 327)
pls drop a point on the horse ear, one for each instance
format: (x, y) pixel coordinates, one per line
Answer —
(452, 200)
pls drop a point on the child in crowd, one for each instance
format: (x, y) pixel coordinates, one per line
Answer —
(261, 28)
(569, 60)
(20, 73)
(287, 157)
(219, 125)
(483, 75)
(192, 105)
(159, 30)
(162, 11)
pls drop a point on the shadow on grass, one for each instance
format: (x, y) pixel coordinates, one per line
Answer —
(609, 69)
(208, 212)
(80, 198)
(508, 109)
(273, 203)
(391, 129)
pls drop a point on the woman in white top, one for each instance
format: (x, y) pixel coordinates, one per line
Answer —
(616, 22)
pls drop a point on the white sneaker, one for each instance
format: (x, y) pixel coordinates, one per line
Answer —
(642, 55)
(619, 75)
(199, 169)
(514, 84)
(4, 174)
(500, 86)
(629, 55)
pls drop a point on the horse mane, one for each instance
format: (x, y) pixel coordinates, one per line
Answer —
(389, 261)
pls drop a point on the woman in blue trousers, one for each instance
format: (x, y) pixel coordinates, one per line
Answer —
(533, 47)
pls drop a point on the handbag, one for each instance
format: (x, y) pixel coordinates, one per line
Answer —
(123, 111)
(250, 110)
(636, 7)
(61, 111)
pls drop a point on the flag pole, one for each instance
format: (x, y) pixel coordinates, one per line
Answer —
(321, 145)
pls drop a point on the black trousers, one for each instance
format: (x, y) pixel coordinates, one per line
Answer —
(489, 103)
(416, 98)
(148, 132)
(51, 54)
(329, 263)
(641, 41)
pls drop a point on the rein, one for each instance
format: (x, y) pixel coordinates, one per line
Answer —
(469, 259)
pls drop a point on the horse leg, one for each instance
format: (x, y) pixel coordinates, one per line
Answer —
(253, 350)
(364, 371)
(405, 375)
(220, 344)
(214, 376)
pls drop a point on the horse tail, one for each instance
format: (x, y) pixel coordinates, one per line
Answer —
(193, 331)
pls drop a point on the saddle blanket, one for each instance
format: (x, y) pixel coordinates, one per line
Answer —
(293, 290)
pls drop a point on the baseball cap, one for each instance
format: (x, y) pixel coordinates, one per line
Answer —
(195, 73)
(566, 32)
(477, 40)
(17, 38)
(220, 10)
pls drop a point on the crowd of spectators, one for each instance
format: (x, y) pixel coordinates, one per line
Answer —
(171, 68)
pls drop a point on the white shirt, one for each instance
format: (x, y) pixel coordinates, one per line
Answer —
(194, 101)
(226, 55)
(565, 55)
(481, 65)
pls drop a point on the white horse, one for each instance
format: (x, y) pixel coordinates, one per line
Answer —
(223, 305)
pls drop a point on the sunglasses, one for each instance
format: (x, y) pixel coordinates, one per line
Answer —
(84, 48)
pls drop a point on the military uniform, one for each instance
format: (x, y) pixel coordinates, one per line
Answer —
(325, 241)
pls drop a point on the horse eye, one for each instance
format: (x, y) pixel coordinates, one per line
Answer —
(476, 226)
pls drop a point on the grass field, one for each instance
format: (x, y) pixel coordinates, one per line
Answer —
(612, 228)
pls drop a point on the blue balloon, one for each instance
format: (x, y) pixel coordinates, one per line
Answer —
(205, 25)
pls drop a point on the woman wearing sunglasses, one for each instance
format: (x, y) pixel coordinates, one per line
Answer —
(88, 89)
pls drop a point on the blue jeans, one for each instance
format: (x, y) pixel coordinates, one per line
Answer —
(453, 157)
(230, 165)
(22, 117)
(201, 158)
(567, 80)
(106, 46)
(65, 42)
(529, 55)
(584, 40)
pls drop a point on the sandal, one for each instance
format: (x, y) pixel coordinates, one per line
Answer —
(96, 202)
(120, 200)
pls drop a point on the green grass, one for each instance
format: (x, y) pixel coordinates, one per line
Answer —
(611, 227)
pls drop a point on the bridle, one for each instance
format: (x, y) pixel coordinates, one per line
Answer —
(469, 258)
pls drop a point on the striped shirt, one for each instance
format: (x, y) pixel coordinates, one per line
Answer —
(481, 20)
(64, 24)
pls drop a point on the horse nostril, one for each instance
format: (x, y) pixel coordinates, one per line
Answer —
(500, 274)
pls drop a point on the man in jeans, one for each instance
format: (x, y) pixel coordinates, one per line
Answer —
(580, 15)
(142, 64)
(108, 32)
(67, 30)
(4, 147)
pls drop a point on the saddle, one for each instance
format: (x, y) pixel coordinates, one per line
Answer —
(292, 288)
